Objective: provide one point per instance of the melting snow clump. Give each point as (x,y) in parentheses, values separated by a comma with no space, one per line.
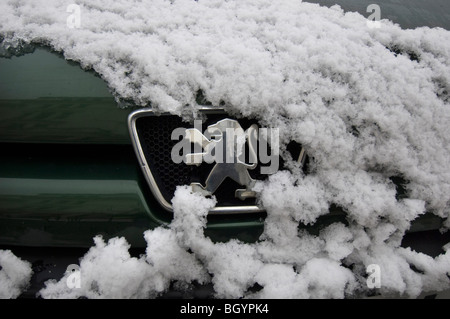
(15,275)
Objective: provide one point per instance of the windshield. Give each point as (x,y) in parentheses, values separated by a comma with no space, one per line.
(408,14)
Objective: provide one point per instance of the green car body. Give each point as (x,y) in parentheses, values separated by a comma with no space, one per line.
(68,169)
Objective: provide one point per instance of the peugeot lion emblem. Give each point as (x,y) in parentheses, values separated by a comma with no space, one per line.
(229,136)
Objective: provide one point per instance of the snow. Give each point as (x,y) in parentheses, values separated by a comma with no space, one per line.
(286,263)
(366,103)
(15,275)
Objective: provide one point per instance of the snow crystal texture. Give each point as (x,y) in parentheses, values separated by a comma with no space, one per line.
(15,275)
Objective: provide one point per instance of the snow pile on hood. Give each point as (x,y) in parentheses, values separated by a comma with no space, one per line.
(307,267)
(108,270)
(15,275)
(367,104)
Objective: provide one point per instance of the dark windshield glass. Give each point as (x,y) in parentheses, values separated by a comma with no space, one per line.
(409,14)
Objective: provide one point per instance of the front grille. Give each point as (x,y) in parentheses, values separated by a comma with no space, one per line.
(152,136)
(152,139)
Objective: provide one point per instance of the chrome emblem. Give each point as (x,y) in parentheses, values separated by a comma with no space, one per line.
(228,136)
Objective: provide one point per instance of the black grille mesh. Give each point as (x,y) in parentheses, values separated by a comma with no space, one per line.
(155,138)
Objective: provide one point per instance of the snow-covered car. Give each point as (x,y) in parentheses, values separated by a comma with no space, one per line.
(113,119)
